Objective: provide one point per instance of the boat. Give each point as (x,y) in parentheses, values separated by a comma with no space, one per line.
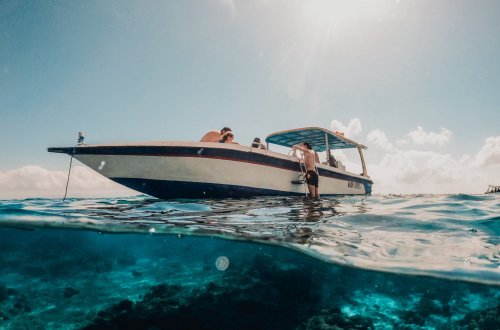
(193,170)
(493,189)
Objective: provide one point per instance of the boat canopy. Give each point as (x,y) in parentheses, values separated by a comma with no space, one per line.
(319,138)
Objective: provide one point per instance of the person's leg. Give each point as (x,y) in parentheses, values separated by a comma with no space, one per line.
(315,184)
(311,190)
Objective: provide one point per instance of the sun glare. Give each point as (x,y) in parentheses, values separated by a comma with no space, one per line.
(338,12)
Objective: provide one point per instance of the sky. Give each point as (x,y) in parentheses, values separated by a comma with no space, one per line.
(417,81)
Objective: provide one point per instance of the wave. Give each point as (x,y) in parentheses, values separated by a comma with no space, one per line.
(452,236)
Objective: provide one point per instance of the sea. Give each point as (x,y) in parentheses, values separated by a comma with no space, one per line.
(348,262)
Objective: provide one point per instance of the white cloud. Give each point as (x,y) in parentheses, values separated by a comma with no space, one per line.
(489,153)
(420,137)
(352,129)
(412,171)
(422,167)
(380,140)
(402,142)
(403,170)
(36,181)
(423,171)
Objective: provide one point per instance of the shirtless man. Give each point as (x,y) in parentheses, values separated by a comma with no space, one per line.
(311,175)
(215,136)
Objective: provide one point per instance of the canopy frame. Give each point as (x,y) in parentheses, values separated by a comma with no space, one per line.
(320,140)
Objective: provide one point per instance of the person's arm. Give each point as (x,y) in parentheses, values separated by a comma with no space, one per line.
(296,147)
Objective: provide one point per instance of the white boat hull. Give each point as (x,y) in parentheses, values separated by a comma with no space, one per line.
(205,170)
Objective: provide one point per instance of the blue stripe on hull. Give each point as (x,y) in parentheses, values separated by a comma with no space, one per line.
(192,190)
(180,189)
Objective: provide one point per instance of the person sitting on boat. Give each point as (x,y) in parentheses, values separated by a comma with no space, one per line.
(332,161)
(228,138)
(215,136)
(257,144)
(312,178)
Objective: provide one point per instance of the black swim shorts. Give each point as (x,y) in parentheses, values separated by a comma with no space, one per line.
(312,178)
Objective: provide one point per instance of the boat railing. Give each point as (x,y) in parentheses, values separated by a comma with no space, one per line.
(492,189)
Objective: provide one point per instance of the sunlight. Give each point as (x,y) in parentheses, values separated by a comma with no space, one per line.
(339,12)
(322,24)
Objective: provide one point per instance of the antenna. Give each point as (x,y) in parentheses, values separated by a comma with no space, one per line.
(80,137)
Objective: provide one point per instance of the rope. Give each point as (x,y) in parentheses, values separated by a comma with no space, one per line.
(69,172)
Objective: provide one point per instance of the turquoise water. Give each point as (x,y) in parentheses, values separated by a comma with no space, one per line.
(379,262)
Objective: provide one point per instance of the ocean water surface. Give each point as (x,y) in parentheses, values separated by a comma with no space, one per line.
(371,262)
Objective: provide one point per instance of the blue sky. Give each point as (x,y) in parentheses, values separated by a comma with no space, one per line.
(171,70)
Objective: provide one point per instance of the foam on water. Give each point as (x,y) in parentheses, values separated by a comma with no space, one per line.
(449,236)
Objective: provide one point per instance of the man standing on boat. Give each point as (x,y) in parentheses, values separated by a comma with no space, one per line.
(312,178)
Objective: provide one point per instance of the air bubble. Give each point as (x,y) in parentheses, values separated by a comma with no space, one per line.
(222,263)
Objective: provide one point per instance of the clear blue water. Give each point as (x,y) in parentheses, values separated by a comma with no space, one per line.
(407,262)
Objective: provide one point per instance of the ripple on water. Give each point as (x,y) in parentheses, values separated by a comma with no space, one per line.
(466,197)
(414,234)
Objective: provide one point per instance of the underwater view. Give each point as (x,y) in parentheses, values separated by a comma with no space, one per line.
(370,262)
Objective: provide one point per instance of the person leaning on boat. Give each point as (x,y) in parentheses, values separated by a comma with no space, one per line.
(312,178)
(258,144)
(228,137)
(215,136)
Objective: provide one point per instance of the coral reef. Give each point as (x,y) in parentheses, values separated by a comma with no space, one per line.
(3,292)
(334,319)
(263,296)
(93,281)
(488,319)
(70,292)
